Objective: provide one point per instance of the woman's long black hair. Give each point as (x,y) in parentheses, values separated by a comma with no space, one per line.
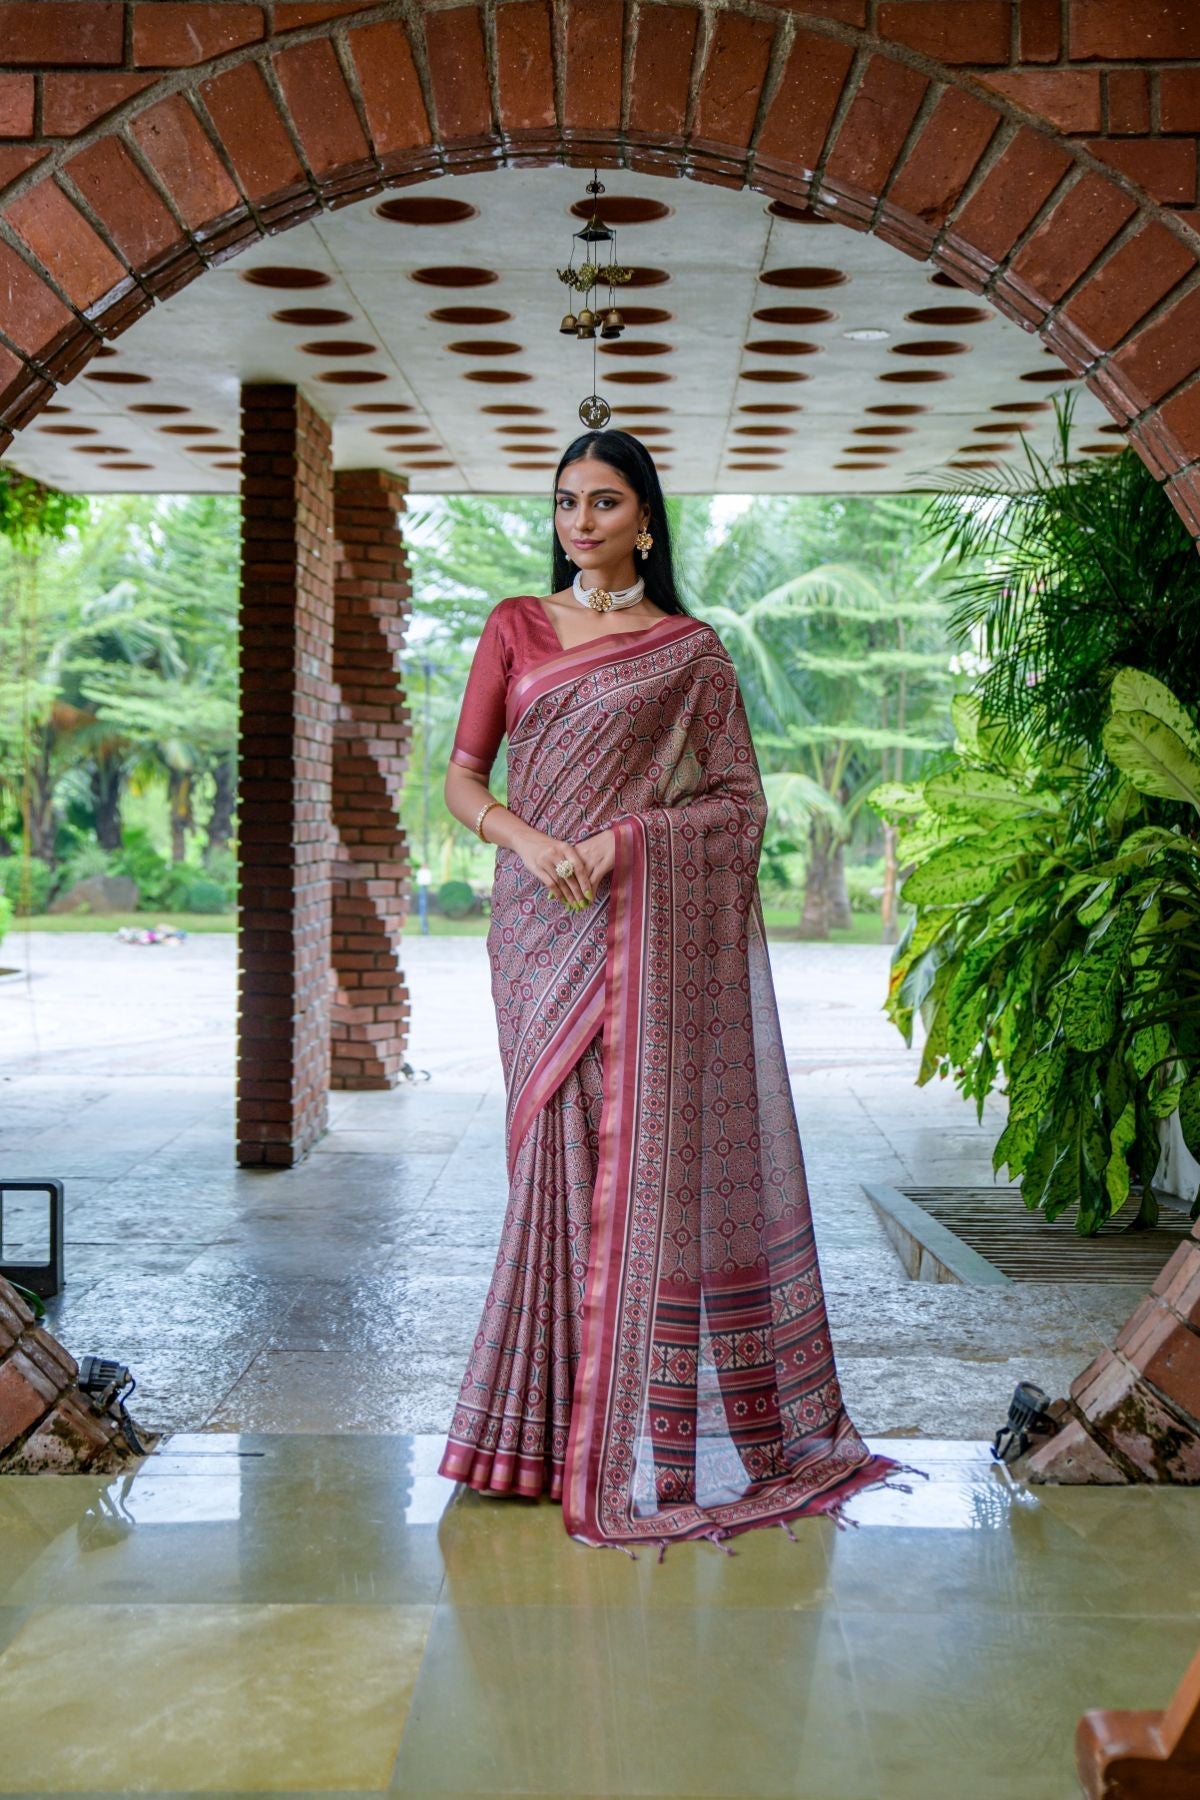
(630,457)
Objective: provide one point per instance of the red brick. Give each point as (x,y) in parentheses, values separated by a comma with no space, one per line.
(322,109)
(16,105)
(24,1396)
(176,34)
(71,102)
(1163,354)
(34,317)
(952,31)
(175,143)
(524,65)
(46,33)
(1167,1353)
(1132,30)
(1010,195)
(1164,167)
(65,244)
(930,182)
(874,129)
(797,124)
(1178,1283)
(1073,1458)
(662,66)
(248,124)
(595,34)
(1134,279)
(1179,100)
(16,158)
(1128,101)
(458,74)
(1039,30)
(1069,240)
(134,215)
(846,12)
(1068,98)
(391,91)
(738,55)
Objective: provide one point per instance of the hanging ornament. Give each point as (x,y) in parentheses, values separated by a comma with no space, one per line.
(593,321)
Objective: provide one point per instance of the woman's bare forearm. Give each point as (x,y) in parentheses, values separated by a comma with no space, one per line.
(466,792)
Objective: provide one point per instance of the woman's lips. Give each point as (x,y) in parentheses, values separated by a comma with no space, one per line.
(586,543)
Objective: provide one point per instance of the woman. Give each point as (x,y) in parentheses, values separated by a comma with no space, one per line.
(653,1350)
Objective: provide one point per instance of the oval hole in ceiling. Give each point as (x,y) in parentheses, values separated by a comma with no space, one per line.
(469,315)
(279,275)
(496,376)
(351,377)
(782,347)
(484,347)
(453,275)
(809,275)
(949,315)
(795,315)
(796,215)
(622,209)
(337,347)
(425,209)
(312,315)
(647,347)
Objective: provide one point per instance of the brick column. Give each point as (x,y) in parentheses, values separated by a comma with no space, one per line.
(286,742)
(371,886)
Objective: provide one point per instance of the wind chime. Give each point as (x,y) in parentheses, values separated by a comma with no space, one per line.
(590,275)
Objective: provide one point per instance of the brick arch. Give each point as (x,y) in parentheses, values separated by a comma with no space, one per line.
(232,122)
(214,125)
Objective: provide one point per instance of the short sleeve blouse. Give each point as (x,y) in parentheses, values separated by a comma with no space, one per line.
(516,634)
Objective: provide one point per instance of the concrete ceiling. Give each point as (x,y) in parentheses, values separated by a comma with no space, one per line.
(741,371)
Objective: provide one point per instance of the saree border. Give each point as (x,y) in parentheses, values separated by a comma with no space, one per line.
(553,670)
(612,1372)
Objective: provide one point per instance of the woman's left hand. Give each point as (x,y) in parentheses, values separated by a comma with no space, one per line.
(597,852)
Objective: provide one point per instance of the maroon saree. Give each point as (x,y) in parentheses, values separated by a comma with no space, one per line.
(654,1349)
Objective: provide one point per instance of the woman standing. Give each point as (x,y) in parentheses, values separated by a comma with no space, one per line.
(654,1350)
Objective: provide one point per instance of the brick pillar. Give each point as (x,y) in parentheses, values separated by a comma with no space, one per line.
(371,869)
(286,744)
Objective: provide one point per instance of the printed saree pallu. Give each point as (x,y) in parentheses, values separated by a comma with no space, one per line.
(654,1348)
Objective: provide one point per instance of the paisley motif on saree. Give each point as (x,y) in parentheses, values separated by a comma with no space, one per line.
(700,1395)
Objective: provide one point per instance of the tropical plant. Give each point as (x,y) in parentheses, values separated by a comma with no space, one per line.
(1055,944)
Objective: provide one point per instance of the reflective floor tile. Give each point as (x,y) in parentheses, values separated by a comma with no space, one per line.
(207,1698)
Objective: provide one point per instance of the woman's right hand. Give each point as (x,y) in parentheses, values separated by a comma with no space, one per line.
(540,853)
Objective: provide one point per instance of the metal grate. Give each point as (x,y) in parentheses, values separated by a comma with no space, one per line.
(1026,1246)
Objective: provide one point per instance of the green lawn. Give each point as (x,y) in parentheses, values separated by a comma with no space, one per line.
(780,921)
(111,922)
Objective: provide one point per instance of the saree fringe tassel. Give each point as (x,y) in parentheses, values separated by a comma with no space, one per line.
(654,1347)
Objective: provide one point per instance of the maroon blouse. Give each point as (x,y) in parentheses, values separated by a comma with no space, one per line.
(517,634)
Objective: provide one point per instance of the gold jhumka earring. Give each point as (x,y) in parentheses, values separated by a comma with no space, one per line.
(643,542)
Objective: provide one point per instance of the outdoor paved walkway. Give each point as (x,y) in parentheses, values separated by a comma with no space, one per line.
(342,1296)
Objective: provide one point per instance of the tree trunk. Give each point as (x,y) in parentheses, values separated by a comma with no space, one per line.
(41,814)
(840,913)
(220,823)
(179,792)
(107,780)
(888,907)
(816,917)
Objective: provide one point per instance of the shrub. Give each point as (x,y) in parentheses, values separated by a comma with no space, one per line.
(456,899)
(26,885)
(204,896)
(6,913)
(138,859)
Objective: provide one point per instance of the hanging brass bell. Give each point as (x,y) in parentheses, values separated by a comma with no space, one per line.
(569,323)
(613,324)
(586,327)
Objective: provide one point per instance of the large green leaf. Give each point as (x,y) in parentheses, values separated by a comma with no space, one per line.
(1092,1002)
(980,794)
(964,872)
(1116,1174)
(1034,1084)
(1151,739)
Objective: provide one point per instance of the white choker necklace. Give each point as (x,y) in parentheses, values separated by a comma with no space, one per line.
(601,599)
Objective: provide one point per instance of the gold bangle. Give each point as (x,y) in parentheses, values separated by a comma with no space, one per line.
(480,816)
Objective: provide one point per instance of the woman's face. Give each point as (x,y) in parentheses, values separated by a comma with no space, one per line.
(597,514)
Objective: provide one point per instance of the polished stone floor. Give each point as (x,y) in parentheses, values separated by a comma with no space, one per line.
(288,1613)
(342,1296)
(286,1598)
